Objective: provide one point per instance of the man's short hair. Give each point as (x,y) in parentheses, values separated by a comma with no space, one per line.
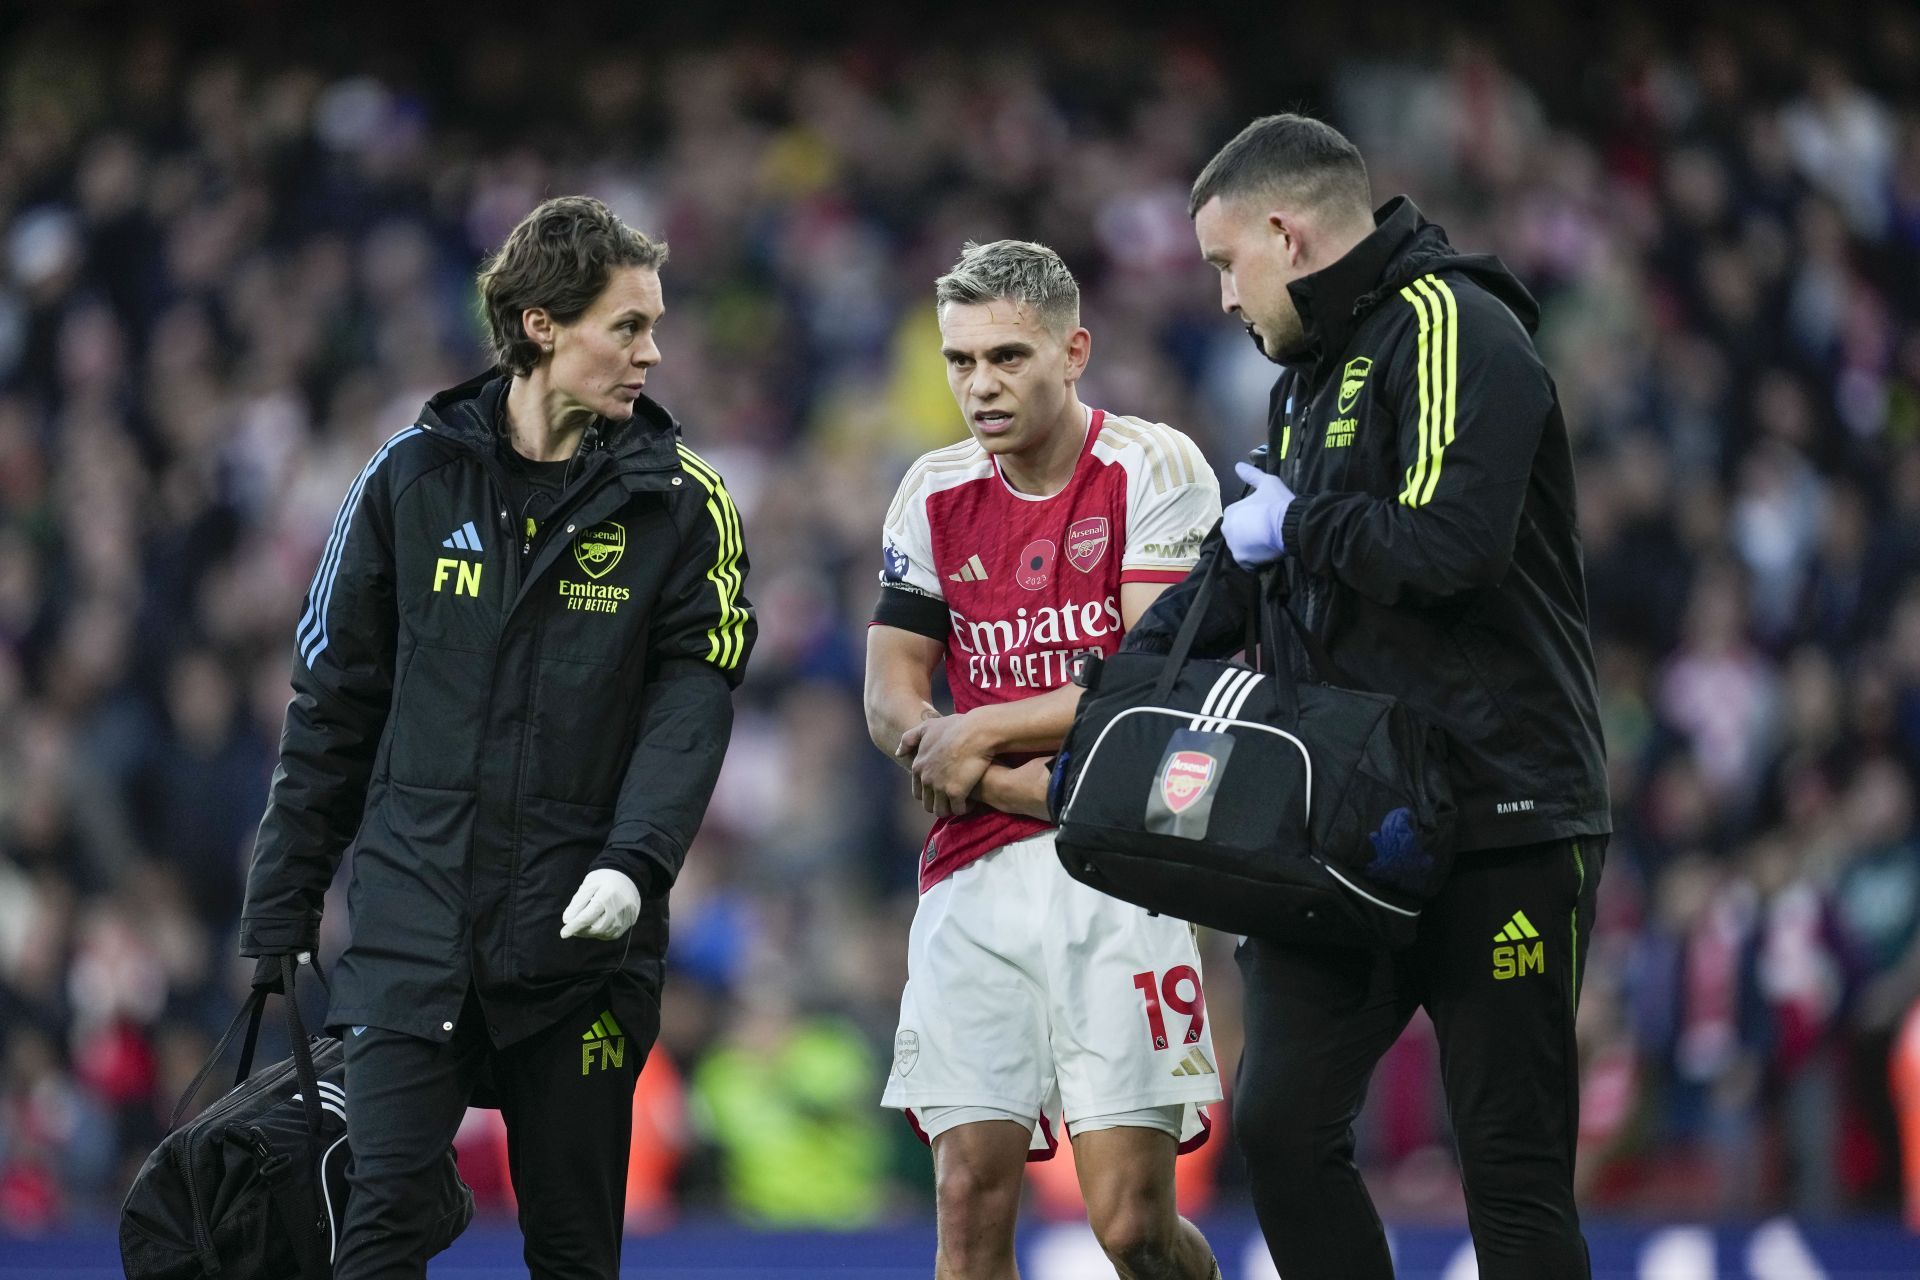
(1013,271)
(1294,156)
(560,257)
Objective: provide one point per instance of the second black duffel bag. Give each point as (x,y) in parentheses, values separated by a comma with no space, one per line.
(255,1186)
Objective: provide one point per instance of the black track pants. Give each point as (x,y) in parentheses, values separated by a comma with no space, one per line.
(566,1095)
(1497,965)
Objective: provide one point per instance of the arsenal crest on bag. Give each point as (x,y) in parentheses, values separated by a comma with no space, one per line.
(1250,802)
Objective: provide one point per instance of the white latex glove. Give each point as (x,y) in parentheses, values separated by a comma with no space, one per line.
(604,907)
(1251,526)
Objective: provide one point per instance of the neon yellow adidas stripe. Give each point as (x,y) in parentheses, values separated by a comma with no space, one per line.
(1448,363)
(1438,376)
(1417,473)
(727,638)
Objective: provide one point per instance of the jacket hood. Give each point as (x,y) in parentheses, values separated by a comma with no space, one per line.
(1427,250)
(1403,247)
(470,414)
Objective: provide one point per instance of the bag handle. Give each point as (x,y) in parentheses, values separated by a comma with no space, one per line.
(1264,629)
(315,1260)
(249,1016)
(1276,592)
(302,1053)
(1189,627)
(1265,623)
(1317,652)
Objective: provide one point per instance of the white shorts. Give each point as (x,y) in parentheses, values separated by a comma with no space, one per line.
(1030,994)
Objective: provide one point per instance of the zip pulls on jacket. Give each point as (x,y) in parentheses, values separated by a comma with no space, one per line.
(546,499)
(587,502)
(589,482)
(467,416)
(497,480)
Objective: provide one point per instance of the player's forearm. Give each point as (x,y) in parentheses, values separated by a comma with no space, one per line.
(891,711)
(1039,723)
(1016,791)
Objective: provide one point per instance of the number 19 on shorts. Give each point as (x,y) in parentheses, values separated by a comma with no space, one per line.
(1170,989)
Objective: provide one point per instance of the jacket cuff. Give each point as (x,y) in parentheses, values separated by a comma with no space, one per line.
(1290,528)
(650,876)
(261,936)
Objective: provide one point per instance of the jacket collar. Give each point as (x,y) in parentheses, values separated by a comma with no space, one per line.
(471,414)
(1333,300)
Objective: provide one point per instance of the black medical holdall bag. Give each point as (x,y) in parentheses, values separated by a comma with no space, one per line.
(255,1186)
(1251,802)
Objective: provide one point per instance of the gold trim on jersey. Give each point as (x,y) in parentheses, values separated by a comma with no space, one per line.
(1172,458)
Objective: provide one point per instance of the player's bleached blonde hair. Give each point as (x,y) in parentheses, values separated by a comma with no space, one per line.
(1013,271)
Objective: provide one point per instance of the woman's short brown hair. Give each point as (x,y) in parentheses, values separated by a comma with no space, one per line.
(559,257)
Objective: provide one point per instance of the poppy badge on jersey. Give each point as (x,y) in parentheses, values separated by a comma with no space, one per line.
(1036,564)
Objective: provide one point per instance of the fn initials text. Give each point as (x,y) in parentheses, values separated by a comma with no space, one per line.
(465,573)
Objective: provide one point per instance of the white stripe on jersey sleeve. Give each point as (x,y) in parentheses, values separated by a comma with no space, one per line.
(1172,495)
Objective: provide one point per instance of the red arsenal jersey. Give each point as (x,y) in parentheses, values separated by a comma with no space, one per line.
(1029,583)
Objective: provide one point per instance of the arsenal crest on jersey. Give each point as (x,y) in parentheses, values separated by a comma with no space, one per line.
(1087,542)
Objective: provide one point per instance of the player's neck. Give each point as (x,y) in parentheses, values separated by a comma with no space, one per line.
(1047,468)
(543,424)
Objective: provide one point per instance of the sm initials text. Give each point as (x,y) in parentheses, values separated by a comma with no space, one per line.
(1518,962)
(466,581)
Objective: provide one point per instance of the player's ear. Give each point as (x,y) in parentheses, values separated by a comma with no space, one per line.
(1079,350)
(538,325)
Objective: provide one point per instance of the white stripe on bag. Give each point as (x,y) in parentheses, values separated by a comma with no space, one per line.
(1242,680)
(1240,699)
(333,1223)
(1206,703)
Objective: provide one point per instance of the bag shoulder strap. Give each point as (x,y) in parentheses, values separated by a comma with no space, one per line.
(1189,628)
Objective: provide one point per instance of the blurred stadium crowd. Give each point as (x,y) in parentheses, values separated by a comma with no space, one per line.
(237,254)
